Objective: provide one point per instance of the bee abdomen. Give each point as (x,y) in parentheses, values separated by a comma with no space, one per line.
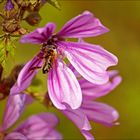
(47,66)
(49,57)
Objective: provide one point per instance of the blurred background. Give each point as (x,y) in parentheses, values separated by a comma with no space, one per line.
(123,20)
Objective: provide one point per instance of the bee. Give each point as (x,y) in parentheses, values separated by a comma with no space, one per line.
(50,54)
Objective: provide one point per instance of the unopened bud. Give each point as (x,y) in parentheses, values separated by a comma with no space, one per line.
(33,18)
(9,5)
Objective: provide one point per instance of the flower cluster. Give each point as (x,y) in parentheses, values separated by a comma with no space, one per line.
(40,126)
(77,75)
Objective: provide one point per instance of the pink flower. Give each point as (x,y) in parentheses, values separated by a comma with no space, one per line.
(91,61)
(40,126)
(91,110)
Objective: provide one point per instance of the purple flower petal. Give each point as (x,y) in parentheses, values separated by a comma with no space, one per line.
(79,119)
(29,100)
(91,61)
(15,136)
(54,135)
(14,108)
(87,135)
(74,70)
(40,35)
(63,87)
(100,112)
(92,91)
(27,74)
(39,126)
(84,25)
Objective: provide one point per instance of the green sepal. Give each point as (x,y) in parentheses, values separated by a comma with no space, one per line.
(11,48)
(3,53)
(6,48)
(32,1)
(55,3)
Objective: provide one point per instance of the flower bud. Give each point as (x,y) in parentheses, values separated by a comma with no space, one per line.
(33,18)
(9,5)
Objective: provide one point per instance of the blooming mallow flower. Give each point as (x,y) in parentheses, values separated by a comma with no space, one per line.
(92,110)
(40,126)
(91,61)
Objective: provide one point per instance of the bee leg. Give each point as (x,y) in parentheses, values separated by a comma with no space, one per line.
(34,68)
(44,71)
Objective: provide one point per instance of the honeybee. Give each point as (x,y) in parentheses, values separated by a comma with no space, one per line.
(50,54)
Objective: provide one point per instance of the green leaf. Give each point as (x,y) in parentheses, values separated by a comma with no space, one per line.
(54,3)
(3,53)
(11,48)
(6,48)
(32,1)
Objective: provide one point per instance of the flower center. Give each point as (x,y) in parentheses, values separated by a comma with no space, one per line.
(54,39)
(50,53)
